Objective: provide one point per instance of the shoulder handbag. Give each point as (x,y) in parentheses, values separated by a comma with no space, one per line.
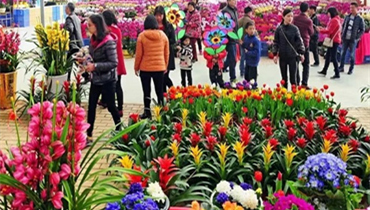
(298,57)
(328,42)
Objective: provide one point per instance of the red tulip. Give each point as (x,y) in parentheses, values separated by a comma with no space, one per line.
(289,102)
(326,87)
(354,144)
(315,90)
(125,137)
(332,94)
(191,100)
(280,176)
(165,108)
(12,116)
(357,179)
(165,95)
(147,143)
(280,193)
(153,128)
(301,142)
(134,118)
(245,109)
(258,176)
(282,82)
(330,110)
(353,125)
(152,138)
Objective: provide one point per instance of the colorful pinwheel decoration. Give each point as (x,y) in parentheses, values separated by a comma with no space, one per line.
(215,40)
(175,17)
(225,21)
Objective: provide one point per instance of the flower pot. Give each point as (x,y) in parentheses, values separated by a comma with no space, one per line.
(2,10)
(126,54)
(8,87)
(52,83)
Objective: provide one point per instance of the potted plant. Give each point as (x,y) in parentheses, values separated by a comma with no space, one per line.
(3,4)
(51,53)
(9,60)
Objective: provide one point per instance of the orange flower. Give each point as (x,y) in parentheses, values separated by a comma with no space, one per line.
(196,206)
(231,206)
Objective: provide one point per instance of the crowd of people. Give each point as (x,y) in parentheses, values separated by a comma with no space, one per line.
(157,48)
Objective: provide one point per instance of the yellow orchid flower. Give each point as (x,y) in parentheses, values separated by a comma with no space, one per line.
(367,162)
(223,152)
(268,152)
(197,154)
(174,148)
(239,149)
(226,118)
(157,113)
(202,117)
(127,162)
(259,191)
(327,146)
(289,155)
(184,113)
(346,150)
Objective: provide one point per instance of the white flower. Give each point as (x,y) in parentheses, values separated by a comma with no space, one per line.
(155,191)
(223,187)
(249,199)
(237,193)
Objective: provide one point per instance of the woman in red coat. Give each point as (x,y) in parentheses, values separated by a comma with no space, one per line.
(111,21)
(334,31)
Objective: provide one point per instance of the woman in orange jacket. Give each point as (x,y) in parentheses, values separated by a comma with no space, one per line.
(151,61)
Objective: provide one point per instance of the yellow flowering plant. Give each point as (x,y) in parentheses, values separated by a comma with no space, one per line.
(52,47)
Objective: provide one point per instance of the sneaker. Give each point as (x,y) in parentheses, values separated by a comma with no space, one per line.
(341,69)
(306,87)
(214,85)
(146,116)
(225,70)
(335,77)
(350,72)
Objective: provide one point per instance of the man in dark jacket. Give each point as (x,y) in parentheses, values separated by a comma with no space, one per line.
(231,45)
(352,30)
(73,26)
(315,37)
(241,24)
(305,26)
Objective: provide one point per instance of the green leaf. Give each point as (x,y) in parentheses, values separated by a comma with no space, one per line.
(240,33)
(220,49)
(233,35)
(182,14)
(175,6)
(181,34)
(181,24)
(210,51)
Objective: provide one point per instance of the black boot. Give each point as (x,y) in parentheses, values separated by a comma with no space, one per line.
(146,115)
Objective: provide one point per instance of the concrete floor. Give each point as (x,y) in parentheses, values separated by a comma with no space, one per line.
(347,89)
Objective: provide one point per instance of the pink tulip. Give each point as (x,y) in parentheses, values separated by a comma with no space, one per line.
(55,179)
(58,149)
(43,194)
(57,200)
(65,171)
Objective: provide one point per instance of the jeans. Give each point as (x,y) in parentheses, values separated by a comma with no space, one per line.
(351,46)
(193,43)
(306,69)
(242,61)
(331,56)
(250,73)
(315,51)
(167,82)
(292,64)
(215,74)
(146,78)
(186,74)
(231,60)
(108,92)
(119,93)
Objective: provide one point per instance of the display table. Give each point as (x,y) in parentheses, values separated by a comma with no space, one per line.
(32,16)
(363,50)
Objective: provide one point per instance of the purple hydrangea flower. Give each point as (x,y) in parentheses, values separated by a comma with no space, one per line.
(245,186)
(113,206)
(222,198)
(135,188)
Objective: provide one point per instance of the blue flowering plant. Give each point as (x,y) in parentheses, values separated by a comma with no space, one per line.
(325,176)
(242,194)
(134,200)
